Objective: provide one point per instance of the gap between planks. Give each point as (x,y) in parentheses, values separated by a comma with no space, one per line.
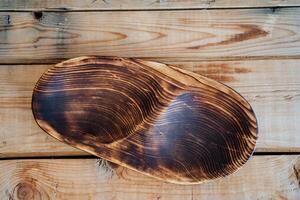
(88,156)
(272,8)
(118,5)
(166,60)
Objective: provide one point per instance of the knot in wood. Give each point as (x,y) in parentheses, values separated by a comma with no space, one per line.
(24,191)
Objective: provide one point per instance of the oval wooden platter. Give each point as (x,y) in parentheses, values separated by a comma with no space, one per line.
(154,118)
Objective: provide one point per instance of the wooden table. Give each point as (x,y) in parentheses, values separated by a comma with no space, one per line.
(252,47)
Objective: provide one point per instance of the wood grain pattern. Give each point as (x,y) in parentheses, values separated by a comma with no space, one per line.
(19,134)
(271,86)
(159,120)
(162,35)
(138,4)
(263,177)
(265,71)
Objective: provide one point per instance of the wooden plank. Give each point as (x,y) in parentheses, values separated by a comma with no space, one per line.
(138,4)
(263,177)
(34,37)
(271,86)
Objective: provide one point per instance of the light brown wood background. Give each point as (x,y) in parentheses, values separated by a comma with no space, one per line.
(253,46)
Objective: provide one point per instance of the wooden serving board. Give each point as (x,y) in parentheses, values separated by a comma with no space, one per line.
(154,118)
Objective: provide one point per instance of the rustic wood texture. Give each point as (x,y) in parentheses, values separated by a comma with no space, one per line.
(257,51)
(32,37)
(263,177)
(138,4)
(157,119)
(271,86)
(18,132)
